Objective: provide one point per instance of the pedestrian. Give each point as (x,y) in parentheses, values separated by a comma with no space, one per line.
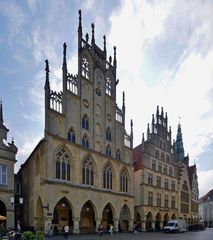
(2,230)
(66,231)
(50,230)
(111,229)
(100,229)
(18,226)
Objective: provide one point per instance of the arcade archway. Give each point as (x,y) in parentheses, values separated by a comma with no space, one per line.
(87,221)
(166,219)
(157,222)
(124,218)
(149,219)
(107,216)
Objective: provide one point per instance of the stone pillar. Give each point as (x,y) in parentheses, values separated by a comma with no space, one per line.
(161,225)
(143,226)
(116,221)
(153,225)
(131,221)
(98,221)
(76,225)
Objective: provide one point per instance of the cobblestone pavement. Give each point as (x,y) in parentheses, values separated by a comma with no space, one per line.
(201,235)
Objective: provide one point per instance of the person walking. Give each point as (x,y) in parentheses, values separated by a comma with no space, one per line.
(66,231)
(111,229)
(100,229)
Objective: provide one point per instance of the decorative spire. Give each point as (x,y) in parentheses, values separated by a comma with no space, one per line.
(148,131)
(157,114)
(123,99)
(47,82)
(93,33)
(131,134)
(162,112)
(1,112)
(142,137)
(65,55)
(153,122)
(79,24)
(104,37)
(179,144)
(87,37)
(123,109)
(110,59)
(115,61)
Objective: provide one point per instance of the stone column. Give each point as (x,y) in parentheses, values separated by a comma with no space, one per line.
(116,220)
(131,221)
(98,221)
(153,225)
(76,225)
(143,226)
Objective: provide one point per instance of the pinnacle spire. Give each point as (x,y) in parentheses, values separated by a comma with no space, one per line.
(104,37)
(47,82)
(93,33)
(1,112)
(115,61)
(80,24)
(64,56)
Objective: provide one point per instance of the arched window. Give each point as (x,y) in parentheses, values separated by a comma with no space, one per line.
(85,68)
(85,141)
(88,172)
(108,151)
(85,122)
(107,177)
(58,169)
(63,170)
(123,181)
(108,134)
(108,86)
(118,155)
(71,135)
(62,165)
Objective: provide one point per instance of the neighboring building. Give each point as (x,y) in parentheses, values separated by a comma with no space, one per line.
(7,160)
(156,176)
(193,179)
(206,209)
(81,172)
(184,188)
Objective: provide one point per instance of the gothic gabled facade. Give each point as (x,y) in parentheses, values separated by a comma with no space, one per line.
(81,173)
(7,160)
(156,176)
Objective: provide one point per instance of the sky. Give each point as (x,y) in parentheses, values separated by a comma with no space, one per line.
(164,58)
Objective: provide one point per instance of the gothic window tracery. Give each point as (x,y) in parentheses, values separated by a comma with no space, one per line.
(71,135)
(85,122)
(124,181)
(85,68)
(118,154)
(108,151)
(108,134)
(107,177)
(85,141)
(62,165)
(88,172)
(108,86)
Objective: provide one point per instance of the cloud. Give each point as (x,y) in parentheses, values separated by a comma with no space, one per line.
(204,184)
(15,17)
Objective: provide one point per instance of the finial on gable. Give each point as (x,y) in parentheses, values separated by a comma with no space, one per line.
(79,23)
(115,61)
(47,83)
(104,37)
(1,112)
(93,33)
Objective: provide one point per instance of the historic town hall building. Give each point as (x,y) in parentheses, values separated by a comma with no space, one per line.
(81,172)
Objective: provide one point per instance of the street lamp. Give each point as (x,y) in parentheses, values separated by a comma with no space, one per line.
(13,202)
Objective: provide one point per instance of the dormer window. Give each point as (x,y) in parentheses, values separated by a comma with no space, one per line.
(108,86)
(108,134)
(85,141)
(71,135)
(108,151)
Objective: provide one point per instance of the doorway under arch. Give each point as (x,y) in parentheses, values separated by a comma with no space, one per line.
(107,216)
(62,215)
(166,219)
(87,221)
(149,219)
(124,218)
(157,222)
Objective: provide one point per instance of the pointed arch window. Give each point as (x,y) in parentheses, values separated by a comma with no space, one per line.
(124,181)
(71,135)
(85,68)
(108,134)
(108,86)
(62,165)
(63,170)
(107,177)
(85,141)
(88,172)
(58,170)
(108,151)
(85,122)
(118,155)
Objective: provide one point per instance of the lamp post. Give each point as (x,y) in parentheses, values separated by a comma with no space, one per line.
(17,202)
